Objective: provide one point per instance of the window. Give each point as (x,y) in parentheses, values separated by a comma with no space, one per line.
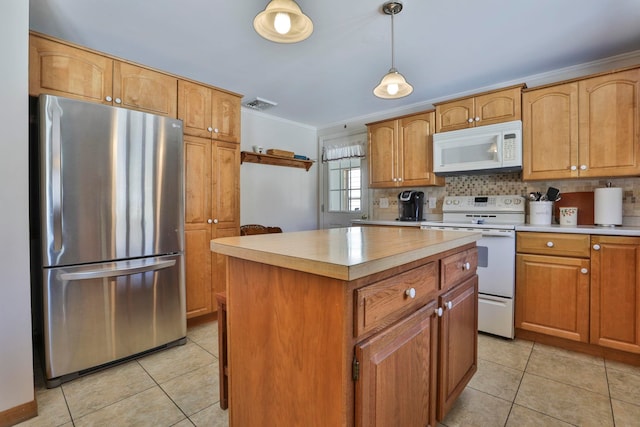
(345,185)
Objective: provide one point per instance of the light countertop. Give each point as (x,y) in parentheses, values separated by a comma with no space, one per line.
(582,229)
(343,253)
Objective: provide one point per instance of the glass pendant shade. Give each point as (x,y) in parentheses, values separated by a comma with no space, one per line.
(393,85)
(282,21)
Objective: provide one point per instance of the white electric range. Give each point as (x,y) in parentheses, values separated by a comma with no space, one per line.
(496,218)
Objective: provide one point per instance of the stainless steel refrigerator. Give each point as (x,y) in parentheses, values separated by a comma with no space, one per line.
(111,218)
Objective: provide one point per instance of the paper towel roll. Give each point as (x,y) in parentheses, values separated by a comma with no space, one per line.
(607,206)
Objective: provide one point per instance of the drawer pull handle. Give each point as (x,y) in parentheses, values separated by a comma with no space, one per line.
(549,244)
(466,266)
(584,271)
(449,305)
(439,311)
(411,292)
(596,247)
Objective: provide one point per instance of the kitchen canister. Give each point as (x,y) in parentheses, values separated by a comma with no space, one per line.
(607,206)
(568,215)
(540,212)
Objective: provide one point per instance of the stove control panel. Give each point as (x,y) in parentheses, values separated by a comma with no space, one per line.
(483,204)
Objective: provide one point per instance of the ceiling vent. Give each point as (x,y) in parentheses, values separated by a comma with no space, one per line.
(260,104)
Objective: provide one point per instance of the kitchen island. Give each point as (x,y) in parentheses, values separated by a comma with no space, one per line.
(349,326)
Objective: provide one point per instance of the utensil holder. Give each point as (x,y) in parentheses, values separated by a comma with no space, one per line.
(540,213)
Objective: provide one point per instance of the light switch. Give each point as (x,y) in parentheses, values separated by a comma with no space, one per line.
(432,202)
(384,202)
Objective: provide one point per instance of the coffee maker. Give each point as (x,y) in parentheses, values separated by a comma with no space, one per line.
(411,205)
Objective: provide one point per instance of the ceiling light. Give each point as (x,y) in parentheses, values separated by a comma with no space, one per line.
(282,21)
(393,85)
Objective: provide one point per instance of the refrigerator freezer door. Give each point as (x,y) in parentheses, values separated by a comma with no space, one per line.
(111,183)
(99,313)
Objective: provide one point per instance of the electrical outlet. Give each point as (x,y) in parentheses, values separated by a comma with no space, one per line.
(384,202)
(432,202)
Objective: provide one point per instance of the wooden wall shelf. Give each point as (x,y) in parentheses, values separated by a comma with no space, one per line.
(268,159)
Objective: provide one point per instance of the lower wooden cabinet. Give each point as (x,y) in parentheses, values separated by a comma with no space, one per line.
(552,296)
(615,292)
(397,380)
(593,299)
(212,179)
(458,344)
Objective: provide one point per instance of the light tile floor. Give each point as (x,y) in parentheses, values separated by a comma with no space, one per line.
(518,383)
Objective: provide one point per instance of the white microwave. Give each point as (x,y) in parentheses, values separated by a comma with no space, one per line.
(491,148)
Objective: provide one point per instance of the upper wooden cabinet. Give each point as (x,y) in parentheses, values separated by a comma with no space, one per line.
(401,152)
(64,70)
(583,129)
(498,106)
(208,112)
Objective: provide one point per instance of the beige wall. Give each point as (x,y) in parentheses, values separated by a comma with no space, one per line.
(16,371)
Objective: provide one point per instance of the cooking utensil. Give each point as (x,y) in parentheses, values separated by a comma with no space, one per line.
(552,194)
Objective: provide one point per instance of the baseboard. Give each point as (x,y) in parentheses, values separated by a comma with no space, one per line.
(18,414)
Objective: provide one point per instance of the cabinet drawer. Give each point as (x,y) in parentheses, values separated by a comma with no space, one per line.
(564,244)
(458,267)
(386,301)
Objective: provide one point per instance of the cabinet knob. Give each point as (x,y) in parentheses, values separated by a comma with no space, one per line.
(596,247)
(399,179)
(215,221)
(583,167)
(108,99)
(550,244)
(584,271)
(439,311)
(216,130)
(210,129)
(466,266)
(118,101)
(449,305)
(477,119)
(411,293)
(470,120)
(209,221)
(574,168)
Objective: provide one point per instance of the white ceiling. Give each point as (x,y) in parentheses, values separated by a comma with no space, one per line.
(442,47)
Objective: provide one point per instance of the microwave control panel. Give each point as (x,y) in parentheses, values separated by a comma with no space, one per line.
(509,151)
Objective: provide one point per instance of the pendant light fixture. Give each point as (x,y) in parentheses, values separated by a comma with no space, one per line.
(393,85)
(282,21)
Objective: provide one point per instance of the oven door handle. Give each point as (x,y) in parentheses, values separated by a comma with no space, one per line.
(497,233)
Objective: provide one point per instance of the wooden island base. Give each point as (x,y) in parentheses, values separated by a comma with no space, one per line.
(390,345)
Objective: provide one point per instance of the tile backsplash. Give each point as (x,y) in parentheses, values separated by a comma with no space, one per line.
(504,183)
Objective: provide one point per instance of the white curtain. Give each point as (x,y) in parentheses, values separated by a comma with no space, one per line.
(344,149)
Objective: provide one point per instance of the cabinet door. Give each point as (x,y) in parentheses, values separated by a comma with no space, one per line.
(455,115)
(458,342)
(550,132)
(552,296)
(615,292)
(225,109)
(62,70)
(396,386)
(415,150)
(610,125)
(382,154)
(225,194)
(198,255)
(498,107)
(144,90)
(194,108)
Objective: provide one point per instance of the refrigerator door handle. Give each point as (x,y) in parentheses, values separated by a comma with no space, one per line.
(124,271)
(56,173)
